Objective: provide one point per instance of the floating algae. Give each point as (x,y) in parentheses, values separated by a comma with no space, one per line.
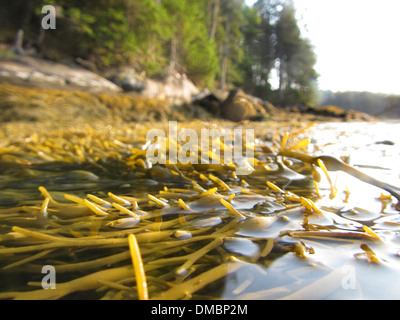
(115,226)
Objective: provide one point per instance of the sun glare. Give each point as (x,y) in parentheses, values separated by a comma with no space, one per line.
(355,43)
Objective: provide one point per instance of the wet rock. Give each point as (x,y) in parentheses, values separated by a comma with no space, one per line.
(175,88)
(86,64)
(127,78)
(340,113)
(329,111)
(129,84)
(386,142)
(210,103)
(263,107)
(353,115)
(38,72)
(237,107)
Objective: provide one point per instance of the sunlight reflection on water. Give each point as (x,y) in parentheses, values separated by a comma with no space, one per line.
(338,268)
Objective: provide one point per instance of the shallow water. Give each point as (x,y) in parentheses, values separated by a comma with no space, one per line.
(272,247)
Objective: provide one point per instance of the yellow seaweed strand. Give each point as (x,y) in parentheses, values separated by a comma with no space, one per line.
(301,144)
(183,205)
(309,205)
(296,133)
(347,193)
(190,286)
(135,205)
(125,210)
(218,181)
(119,199)
(208,192)
(333,190)
(37,235)
(73,198)
(192,258)
(231,209)
(182,219)
(274,187)
(138,267)
(99,201)
(203,177)
(370,232)
(28,259)
(94,208)
(317,189)
(46,194)
(156,200)
(284,140)
(85,283)
(43,209)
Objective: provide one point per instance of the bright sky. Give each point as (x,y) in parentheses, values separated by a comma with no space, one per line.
(357,43)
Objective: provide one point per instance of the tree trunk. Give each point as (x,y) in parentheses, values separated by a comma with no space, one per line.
(282,85)
(19,37)
(214,19)
(40,39)
(225,53)
(173,55)
(209,14)
(27,15)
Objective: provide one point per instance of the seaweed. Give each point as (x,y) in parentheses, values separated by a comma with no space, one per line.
(131,229)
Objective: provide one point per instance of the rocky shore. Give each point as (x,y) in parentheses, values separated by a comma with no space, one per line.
(37,90)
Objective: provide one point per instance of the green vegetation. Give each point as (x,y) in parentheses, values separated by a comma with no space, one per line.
(217,43)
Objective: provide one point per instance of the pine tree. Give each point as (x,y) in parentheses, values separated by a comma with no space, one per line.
(191,49)
(295,60)
(229,40)
(258,52)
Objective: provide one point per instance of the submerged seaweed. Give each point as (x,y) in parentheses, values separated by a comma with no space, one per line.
(116,226)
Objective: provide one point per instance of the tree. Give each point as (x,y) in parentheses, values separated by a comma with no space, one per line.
(287,44)
(258,52)
(273,43)
(295,60)
(22,19)
(191,49)
(229,40)
(214,20)
(151,27)
(215,42)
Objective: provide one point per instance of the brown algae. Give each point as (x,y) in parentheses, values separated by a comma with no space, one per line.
(114,226)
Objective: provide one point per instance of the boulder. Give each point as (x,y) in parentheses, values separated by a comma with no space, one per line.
(175,88)
(340,113)
(237,107)
(329,111)
(263,107)
(127,78)
(209,102)
(234,105)
(130,84)
(353,115)
(41,73)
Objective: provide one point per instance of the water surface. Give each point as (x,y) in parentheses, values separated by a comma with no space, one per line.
(271,245)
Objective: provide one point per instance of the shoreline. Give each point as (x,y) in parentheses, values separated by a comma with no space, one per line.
(36,90)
